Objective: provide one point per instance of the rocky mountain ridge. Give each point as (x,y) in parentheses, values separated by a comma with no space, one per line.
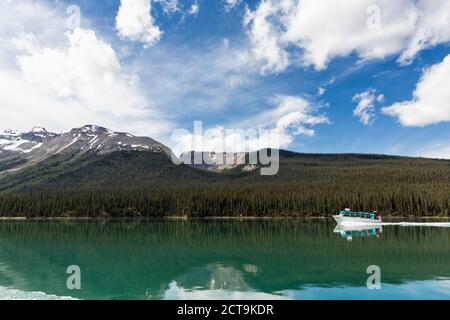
(20,149)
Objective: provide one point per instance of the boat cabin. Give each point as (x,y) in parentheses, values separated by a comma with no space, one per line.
(366,215)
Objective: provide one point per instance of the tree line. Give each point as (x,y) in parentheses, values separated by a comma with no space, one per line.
(305,186)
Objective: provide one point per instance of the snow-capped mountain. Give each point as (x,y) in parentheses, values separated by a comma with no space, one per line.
(101,140)
(14,143)
(39,144)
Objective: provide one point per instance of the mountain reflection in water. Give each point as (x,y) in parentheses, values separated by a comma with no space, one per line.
(222,259)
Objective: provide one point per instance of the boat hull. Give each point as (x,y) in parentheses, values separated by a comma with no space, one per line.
(355,221)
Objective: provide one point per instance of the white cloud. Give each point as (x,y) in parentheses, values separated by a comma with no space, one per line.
(221,139)
(439,151)
(321,91)
(365,110)
(28,15)
(292,116)
(431,99)
(67,72)
(135,22)
(432,27)
(195,7)
(265,37)
(66,79)
(231,4)
(169,6)
(205,78)
(320,31)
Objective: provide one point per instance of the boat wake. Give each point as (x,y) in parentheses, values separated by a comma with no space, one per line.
(418,224)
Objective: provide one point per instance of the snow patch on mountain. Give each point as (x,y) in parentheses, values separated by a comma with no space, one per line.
(40,144)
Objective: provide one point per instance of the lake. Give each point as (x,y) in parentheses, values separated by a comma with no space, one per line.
(221,259)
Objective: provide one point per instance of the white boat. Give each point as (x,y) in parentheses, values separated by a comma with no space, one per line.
(348,217)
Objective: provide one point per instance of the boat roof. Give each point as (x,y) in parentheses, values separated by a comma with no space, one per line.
(358,212)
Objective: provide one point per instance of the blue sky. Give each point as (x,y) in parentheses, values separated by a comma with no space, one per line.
(236,64)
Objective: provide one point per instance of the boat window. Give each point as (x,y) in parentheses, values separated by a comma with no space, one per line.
(352,214)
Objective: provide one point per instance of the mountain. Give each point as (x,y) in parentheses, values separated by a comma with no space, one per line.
(22,149)
(219,161)
(96,156)
(90,156)
(14,143)
(93,171)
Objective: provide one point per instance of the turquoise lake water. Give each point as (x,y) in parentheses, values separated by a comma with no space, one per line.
(262,259)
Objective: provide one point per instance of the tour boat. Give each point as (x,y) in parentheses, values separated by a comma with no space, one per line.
(348,217)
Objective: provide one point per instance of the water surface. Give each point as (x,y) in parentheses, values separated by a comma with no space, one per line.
(273,259)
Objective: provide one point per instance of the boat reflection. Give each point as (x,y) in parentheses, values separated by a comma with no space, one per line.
(350,232)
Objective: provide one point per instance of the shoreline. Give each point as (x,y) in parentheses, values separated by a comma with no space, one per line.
(389,218)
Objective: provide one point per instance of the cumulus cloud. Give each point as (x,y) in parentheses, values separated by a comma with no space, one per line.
(319,31)
(266,40)
(65,72)
(221,139)
(290,117)
(27,15)
(431,99)
(66,79)
(365,109)
(432,27)
(134,22)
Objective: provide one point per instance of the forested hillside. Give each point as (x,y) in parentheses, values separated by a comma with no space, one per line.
(144,184)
